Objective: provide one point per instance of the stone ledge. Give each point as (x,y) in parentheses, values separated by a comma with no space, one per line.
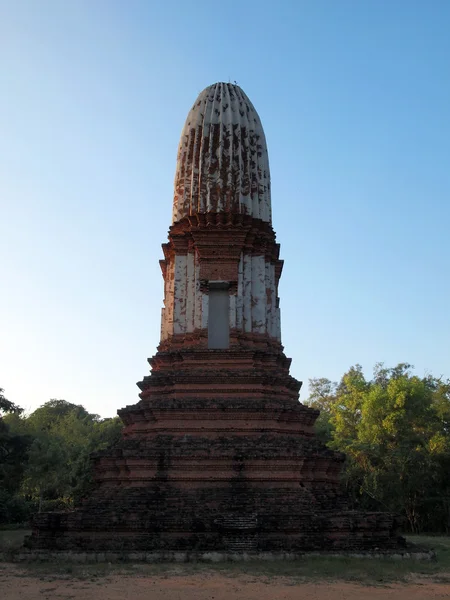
(418,554)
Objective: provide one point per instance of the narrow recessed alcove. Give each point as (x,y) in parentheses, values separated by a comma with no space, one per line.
(218,315)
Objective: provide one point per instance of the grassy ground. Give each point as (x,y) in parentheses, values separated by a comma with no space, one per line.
(12,539)
(375,571)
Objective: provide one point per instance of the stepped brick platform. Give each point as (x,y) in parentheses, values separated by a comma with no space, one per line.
(219,455)
(226,473)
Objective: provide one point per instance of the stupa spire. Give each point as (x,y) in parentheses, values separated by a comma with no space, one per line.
(222,163)
(221,266)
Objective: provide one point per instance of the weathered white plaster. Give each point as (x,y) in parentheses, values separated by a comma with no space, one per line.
(232,311)
(268,283)
(163,328)
(278,324)
(240,295)
(276,311)
(167,325)
(222,159)
(253,309)
(190,292)
(247,293)
(222,166)
(198,302)
(258,294)
(179,292)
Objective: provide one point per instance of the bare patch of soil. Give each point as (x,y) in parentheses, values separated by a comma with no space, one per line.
(17,583)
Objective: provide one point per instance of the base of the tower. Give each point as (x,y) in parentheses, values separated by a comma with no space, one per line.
(403,552)
(168,523)
(217,457)
(116,548)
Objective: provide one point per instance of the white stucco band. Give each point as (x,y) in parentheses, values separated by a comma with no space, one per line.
(252,307)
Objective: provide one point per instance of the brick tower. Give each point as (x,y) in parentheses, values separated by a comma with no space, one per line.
(218,454)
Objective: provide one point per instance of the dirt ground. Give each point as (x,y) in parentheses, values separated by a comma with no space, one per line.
(17,583)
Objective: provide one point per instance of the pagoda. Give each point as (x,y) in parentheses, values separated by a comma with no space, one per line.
(218,455)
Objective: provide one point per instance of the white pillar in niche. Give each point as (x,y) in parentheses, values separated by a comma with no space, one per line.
(268,286)
(258,303)
(179,313)
(163,328)
(169,300)
(198,302)
(270,298)
(247,293)
(232,311)
(190,292)
(240,294)
(278,332)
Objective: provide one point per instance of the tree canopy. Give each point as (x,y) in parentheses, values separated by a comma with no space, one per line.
(394,430)
(45,456)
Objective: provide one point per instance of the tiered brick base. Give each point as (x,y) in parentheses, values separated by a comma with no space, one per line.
(218,456)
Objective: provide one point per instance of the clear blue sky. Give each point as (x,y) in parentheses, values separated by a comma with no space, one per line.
(354,97)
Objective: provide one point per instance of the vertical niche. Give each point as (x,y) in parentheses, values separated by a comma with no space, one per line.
(218,315)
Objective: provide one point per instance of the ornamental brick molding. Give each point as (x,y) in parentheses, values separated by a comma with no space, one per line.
(218,455)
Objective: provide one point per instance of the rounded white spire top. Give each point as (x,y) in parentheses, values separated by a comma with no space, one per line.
(222,163)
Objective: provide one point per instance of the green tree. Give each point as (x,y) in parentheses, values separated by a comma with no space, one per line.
(322,394)
(394,430)
(13,456)
(45,456)
(46,475)
(65,434)
(6,406)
